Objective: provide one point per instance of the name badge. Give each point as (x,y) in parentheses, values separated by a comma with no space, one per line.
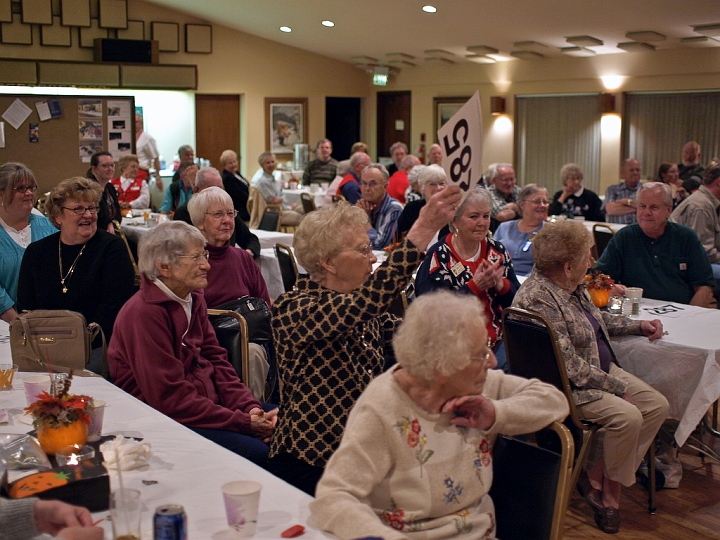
(683,266)
(457,268)
(527,245)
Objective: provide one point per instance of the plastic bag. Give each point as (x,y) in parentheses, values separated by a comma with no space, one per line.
(22,452)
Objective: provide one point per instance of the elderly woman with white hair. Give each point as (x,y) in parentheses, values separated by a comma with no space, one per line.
(165,353)
(430,180)
(574,199)
(333,333)
(233,272)
(416,457)
(469,261)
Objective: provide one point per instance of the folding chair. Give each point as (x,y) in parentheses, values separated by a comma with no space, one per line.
(288,266)
(271,219)
(121,234)
(401,302)
(602,234)
(531,487)
(308,203)
(533,351)
(232,334)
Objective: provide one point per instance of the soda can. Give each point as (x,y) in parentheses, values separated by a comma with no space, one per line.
(170,523)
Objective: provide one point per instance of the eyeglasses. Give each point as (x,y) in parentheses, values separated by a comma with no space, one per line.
(80,210)
(485,357)
(370,185)
(24,189)
(435,184)
(232,214)
(198,258)
(365,251)
(543,202)
(107,165)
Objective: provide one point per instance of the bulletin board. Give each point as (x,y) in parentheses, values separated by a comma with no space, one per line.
(60,133)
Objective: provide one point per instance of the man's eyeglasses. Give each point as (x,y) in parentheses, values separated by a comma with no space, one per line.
(370,185)
(232,214)
(24,189)
(80,210)
(198,258)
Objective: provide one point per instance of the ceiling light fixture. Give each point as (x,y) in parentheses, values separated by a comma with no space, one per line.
(531,46)
(584,41)
(580,52)
(710,30)
(439,53)
(329,24)
(699,41)
(645,36)
(480,59)
(429,9)
(526,55)
(285,29)
(482,50)
(400,56)
(634,46)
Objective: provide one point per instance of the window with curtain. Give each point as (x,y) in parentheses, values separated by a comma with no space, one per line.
(657,125)
(551,131)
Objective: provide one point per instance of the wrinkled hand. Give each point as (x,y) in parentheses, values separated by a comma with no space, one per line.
(617,290)
(512,206)
(471,411)
(53,516)
(652,329)
(262,424)
(82,533)
(440,209)
(489,275)
(365,205)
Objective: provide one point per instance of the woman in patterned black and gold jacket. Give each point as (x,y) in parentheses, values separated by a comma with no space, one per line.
(331,333)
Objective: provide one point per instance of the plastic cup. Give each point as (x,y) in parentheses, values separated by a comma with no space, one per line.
(34,386)
(97,412)
(125,511)
(242,500)
(633,292)
(7,374)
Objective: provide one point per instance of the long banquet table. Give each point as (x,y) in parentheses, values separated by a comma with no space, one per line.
(684,365)
(188,468)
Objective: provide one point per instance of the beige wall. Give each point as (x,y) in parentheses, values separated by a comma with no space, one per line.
(686,69)
(242,64)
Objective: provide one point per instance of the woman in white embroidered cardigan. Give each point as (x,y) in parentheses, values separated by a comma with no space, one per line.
(416,456)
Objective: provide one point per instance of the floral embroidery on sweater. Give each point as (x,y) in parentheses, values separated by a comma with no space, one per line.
(482,453)
(453,490)
(412,430)
(461,523)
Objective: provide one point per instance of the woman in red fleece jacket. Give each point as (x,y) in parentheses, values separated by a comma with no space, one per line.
(164,350)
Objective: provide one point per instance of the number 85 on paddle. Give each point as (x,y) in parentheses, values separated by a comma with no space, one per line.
(461,140)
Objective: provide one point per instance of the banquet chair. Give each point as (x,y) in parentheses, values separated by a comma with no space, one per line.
(308,203)
(256,207)
(121,234)
(401,302)
(602,234)
(533,351)
(271,219)
(288,266)
(337,198)
(231,330)
(531,487)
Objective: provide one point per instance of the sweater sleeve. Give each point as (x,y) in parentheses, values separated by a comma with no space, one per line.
(362,461)
(17,518)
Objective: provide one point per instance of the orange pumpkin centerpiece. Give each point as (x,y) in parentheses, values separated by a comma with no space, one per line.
(60,420)
(598,286)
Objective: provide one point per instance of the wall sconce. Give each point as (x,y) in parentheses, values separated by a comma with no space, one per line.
(497,105)
(607,103)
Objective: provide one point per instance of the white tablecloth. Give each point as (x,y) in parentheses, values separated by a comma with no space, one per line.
(292,196)
(684,365)
(268,239)
(189,469)
(614,226)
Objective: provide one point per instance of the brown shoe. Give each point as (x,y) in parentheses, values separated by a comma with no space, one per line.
(608,521)
(591,495)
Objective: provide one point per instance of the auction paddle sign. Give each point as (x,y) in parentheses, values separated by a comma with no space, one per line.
(461,140)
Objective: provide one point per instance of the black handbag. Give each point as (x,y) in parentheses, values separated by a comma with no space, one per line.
(257,315)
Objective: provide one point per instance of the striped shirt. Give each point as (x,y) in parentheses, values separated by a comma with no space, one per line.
(384,222)
(615,193)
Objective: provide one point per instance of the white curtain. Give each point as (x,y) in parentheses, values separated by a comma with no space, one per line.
(551,131)
(657,125)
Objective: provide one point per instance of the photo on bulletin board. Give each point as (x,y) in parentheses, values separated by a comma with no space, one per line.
(285,124)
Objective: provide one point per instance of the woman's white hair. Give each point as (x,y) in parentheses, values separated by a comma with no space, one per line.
(321,234)
(164,244)
(432,173)
(438,333)
(478,197)
(200,202)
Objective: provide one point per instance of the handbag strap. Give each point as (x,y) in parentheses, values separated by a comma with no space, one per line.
(93,330)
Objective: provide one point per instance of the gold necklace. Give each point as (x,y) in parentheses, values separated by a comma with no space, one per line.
(72,267)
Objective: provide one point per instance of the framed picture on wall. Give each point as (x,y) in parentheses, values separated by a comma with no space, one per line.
(285,124)
(445,108)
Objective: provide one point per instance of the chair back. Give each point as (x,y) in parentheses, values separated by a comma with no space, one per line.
(401,302)
(121,234)
(271,218)
(308,203)
(288,266)
(256,207)
(337,198)
(232,333)
(602,234)
(530,488)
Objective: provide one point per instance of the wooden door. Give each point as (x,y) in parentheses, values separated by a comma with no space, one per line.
(217,126)
(393,120)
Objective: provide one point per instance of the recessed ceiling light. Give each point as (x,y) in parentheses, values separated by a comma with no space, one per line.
(710,30)
(482,49)
(527,55)
(581,52)
(285,29)
(634,46)
(584,41)
(429,9)
(699,41)
(645,36)
(329,24)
